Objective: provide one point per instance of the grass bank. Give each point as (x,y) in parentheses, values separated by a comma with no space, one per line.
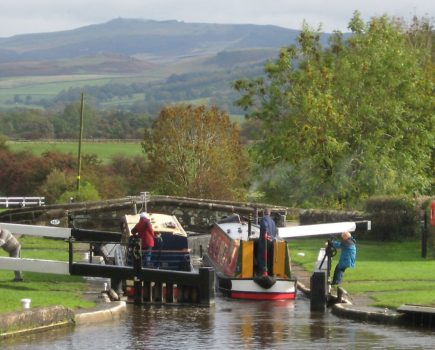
(43,289)
(391,273)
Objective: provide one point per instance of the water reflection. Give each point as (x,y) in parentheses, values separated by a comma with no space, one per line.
(256,323)
(229,324)
(317,329)
(162,327)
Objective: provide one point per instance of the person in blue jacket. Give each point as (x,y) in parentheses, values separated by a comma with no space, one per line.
(268,233)
(347,256)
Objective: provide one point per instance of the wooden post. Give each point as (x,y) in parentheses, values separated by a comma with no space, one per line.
(79,160)
(318,286)
(169,293)
(70,252)
(137,291)
(206,285)
(137,266)
(147,292)
(424,235)
(158,292)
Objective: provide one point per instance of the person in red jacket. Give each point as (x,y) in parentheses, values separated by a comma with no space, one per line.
(144,229)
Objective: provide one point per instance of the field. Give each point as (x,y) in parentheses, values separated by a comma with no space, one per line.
(45,86)
(42,87)
(104,150)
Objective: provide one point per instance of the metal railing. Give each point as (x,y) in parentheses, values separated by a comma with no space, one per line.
(21,201)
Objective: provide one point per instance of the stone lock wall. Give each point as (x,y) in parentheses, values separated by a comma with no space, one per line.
(196,215)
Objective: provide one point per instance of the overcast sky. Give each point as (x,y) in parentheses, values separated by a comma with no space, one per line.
(35,16)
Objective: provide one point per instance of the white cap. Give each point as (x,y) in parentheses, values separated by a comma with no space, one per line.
(143,215)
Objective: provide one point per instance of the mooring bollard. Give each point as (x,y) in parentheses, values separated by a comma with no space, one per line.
(26,303)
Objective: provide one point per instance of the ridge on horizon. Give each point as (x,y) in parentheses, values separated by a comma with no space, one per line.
(137,38)
(117,20)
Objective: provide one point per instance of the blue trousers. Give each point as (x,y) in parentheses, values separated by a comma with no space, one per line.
(261,264)
(338,274)
(147,256)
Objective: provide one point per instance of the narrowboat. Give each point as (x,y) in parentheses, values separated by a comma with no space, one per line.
(232,253)
(170,252)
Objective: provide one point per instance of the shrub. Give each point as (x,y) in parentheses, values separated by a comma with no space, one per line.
(393,218)
(87,193)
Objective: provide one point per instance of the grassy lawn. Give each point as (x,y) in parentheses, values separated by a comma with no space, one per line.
(43,289)
(392,274)
(104,150)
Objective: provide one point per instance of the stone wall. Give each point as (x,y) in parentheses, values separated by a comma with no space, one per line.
(196,215)
(15,323)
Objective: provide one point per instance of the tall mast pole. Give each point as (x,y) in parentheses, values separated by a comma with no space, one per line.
(79,161)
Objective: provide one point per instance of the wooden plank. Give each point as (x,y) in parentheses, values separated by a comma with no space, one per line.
(35,265)
(34,230)
(316,230)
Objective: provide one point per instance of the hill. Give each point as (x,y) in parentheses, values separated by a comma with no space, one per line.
(134,37)
(141,57)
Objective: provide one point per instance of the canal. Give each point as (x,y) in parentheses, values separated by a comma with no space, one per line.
(229,324)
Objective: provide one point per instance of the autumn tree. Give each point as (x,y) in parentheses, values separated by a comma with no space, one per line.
(344,122)
(129,174)
(196,152)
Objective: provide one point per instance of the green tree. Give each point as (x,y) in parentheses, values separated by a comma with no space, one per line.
(67,124)
(88,192)
(195,151)
(56,184)
(345,122)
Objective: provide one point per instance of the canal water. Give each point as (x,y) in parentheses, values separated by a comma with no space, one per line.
(229,324)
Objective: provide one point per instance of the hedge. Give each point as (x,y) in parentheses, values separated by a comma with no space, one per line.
(393,218)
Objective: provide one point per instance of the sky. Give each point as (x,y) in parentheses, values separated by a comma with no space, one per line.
(37,16)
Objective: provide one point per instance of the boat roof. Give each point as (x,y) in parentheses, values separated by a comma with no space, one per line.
(239,230)
(161,223)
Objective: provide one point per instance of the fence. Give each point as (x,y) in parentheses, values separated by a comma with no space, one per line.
(21,201)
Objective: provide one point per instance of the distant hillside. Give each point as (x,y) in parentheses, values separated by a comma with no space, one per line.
(97,64)
(152,41)
(135,64)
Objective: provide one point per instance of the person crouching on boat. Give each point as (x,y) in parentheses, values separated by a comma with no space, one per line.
(268,234)
(347,256)
(144,229)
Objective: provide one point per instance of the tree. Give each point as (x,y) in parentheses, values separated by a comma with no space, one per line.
(87,192)
(130,173)
(195,152)
(345,122)
(67,125)
(56,183)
